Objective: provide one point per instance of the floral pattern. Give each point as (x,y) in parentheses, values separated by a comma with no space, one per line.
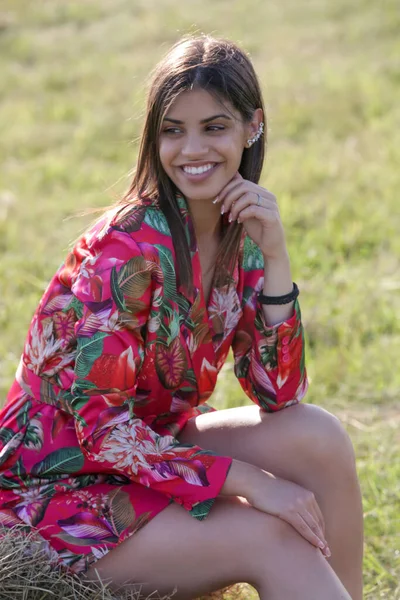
(117,359)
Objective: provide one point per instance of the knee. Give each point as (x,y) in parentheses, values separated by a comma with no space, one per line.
(322,440)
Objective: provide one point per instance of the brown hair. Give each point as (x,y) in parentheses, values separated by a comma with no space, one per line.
(224,70)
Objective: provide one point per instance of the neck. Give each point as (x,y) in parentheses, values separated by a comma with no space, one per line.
(206,219)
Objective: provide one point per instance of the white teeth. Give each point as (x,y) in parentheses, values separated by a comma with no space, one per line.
(197,170)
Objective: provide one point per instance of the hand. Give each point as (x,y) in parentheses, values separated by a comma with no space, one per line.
(291,503)
(262,223)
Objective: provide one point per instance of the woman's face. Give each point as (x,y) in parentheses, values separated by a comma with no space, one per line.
(201,144)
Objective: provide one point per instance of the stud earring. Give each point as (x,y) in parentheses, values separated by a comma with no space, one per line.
(257,136)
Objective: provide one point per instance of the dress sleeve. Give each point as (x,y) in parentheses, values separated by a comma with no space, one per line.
(269,360)
(115,288)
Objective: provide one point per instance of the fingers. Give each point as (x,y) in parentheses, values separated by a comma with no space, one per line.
(314,509)
(319,517)
(264,215)
(237,188)
(308,528)
(316,512)
(250,199)
(313,524)
(233,183)
(229,199)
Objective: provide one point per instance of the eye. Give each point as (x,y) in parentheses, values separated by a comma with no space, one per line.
(215,128)
(172,130)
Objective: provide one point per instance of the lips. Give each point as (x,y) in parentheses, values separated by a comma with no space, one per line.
(199,172)
(198,169)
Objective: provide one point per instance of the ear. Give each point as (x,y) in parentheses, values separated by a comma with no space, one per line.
(252,127)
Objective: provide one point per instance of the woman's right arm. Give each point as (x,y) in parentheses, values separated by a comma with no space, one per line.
(284,499)
(240,479)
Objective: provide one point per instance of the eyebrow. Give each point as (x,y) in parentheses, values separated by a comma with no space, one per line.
(207,120)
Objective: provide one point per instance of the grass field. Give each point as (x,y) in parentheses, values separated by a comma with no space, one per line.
(71,100)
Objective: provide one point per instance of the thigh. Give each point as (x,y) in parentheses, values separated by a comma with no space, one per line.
(197,557)
(282,442)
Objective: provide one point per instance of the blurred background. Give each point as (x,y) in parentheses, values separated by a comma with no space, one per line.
(73,79)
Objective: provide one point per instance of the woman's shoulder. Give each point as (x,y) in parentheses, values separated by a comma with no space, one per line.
(130,222)
(125,232)
(125,237)
(142,215)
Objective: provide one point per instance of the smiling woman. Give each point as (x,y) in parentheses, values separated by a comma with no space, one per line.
(110,450)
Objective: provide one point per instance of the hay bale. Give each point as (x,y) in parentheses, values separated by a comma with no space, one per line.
(26,574)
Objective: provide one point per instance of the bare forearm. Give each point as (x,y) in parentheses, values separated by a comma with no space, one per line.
(277,282)
(241,478)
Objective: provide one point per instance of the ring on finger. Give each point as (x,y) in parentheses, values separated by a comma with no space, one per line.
(258,200)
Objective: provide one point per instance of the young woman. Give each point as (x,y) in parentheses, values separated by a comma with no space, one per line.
(109,448)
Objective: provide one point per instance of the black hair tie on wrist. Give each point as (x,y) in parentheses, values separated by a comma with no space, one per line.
(280,299)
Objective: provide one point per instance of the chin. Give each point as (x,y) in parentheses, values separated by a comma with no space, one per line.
(198,191)
(203,191)
(200,195)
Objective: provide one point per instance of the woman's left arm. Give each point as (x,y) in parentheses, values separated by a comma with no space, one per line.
(277,282)
(269,341)
(269,357)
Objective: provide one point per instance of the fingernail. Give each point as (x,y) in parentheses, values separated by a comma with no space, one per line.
(327,552)
(216,200)
(222,210)
(321,545)
(230,219)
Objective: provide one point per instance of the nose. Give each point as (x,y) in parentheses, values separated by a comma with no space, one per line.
(194,147)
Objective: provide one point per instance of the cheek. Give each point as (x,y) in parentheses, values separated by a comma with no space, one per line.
(166,154)
(233,154)
(232,147)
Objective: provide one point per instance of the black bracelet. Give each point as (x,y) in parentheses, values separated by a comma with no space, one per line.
(280,299)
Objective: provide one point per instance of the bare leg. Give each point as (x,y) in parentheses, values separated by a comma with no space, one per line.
(235,543)
(304,444)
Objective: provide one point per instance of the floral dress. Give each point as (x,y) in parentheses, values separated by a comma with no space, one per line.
(118,357)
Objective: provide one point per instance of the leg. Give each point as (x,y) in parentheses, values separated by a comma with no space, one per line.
(235,543)
(304,444)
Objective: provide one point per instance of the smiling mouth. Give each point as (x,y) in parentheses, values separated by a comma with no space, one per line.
(191,170)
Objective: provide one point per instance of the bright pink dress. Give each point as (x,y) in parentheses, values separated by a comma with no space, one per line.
(118,357)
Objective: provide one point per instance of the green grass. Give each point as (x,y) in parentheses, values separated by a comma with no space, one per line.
(71,102)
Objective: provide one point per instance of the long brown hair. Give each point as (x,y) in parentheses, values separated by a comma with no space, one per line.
(224,70)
